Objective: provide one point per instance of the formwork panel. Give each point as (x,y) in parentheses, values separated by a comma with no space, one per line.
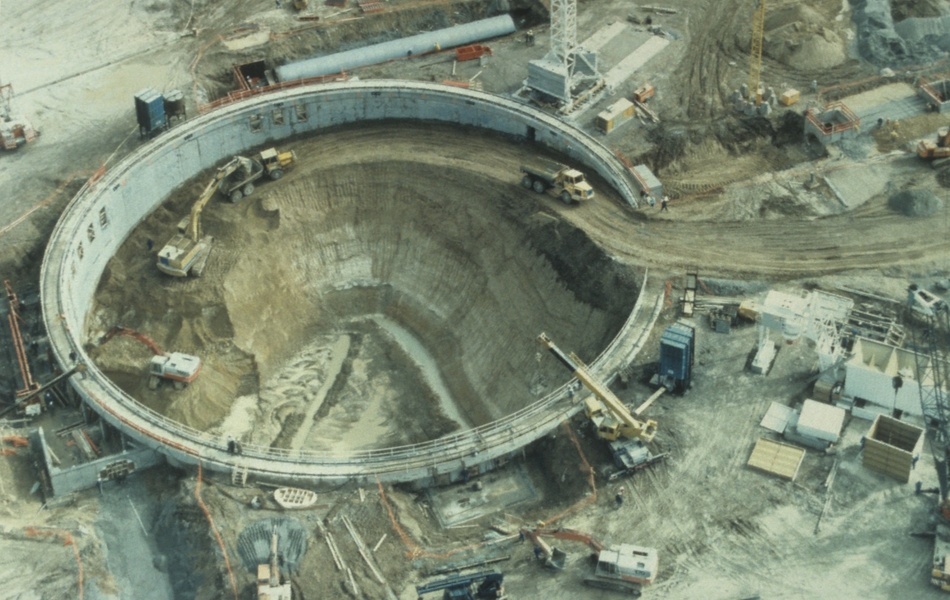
(891,446)
(777,458)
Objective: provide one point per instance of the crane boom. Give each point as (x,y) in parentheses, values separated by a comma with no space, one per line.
(755,51)
(931,374)
(932,346)
(607,411)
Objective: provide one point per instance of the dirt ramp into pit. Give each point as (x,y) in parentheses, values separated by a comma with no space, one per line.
(420,272)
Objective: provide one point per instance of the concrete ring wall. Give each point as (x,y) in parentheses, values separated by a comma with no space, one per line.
(103,214)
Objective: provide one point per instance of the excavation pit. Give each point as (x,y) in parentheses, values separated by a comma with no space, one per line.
(366,300)
(373,313)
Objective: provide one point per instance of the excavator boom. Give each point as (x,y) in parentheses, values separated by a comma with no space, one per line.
(120,330)
(238,162)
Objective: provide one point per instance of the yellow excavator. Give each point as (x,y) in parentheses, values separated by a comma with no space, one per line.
(187,252)
(627,434)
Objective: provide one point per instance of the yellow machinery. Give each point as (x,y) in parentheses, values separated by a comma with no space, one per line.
(275,162)
(755,51)
(609,415)
(269,586)
(187,252)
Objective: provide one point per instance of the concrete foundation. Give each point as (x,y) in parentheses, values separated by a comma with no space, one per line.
(115,204)
(936,94)
(87,475)
(836,122)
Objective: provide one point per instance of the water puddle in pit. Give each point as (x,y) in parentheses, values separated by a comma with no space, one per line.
(422,359)
(373,405)
(338,355)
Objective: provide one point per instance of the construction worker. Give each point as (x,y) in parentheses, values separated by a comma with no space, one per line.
(663,204)
(537,552)
(620,494)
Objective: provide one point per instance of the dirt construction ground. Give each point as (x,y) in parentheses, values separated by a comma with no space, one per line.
(458,269)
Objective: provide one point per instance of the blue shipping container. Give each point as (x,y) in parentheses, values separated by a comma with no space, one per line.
(149,110)
(676,354)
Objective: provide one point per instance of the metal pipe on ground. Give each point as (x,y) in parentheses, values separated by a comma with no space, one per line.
(422,43)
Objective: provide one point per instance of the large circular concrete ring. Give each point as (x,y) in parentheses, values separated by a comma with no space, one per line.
(105,211)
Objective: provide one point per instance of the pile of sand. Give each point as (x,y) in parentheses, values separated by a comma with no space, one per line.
(915,203)
(797,37)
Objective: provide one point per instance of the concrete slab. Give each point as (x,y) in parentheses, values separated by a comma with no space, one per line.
(895,110)
(855,186)
(603,35)
(639,57)
(460,504)
(881,95)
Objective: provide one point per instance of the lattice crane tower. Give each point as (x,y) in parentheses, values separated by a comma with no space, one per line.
(568,73)
(564,32)
(755,51)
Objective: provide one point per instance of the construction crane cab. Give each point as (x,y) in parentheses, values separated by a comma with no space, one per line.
(627,435)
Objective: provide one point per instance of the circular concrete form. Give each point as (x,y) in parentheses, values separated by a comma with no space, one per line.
(105,212)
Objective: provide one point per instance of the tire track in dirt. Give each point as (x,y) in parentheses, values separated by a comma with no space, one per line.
(871,237)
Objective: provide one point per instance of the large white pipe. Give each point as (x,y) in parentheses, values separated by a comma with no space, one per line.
(451,37)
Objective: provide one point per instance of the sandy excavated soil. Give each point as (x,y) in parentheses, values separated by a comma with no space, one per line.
(723,531)
(281,307)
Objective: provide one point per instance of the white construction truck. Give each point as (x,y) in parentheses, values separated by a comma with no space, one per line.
(624,568)
(177,367)
(570,184)
(15,130)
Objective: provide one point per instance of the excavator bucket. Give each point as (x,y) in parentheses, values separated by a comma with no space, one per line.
(558,559)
